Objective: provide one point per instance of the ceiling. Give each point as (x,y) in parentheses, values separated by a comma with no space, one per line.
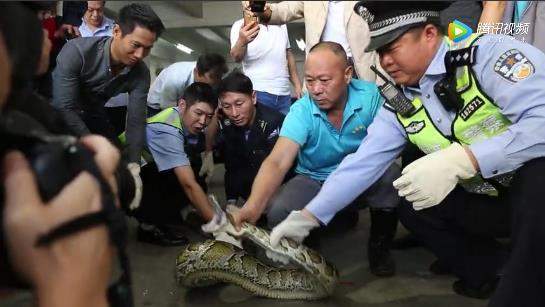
(203,26)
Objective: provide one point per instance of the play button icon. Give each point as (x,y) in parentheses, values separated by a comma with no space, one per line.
(458,31)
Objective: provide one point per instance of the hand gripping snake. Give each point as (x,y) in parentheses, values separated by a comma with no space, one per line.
(209,262)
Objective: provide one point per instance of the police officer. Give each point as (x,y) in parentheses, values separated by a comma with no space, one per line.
(477,109)
(247,134)
(174,141)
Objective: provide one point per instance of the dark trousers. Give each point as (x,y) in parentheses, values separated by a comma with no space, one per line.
(163,197)
(153,112)
(523,283)
(461,232)
(103,122)
(98,122)
(117,117)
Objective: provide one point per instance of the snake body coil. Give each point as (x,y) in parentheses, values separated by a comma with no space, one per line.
(209,262)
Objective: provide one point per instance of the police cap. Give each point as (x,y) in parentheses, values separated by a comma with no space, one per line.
(388,20)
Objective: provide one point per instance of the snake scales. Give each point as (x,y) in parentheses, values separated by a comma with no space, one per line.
(209,262)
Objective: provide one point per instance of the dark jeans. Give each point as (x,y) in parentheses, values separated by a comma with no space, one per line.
(461,232)
(279,103)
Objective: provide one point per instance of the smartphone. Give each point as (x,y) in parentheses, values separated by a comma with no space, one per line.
(257,6)
(249,18)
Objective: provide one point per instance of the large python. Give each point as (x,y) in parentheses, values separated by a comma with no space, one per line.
(209,262)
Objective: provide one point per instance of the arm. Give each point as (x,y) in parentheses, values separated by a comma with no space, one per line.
(167,88)
(492,12)
(358,171)
(66,88)
(194,192)
(278,13)
(166,144)
(284,12)
(211,132)
(245,35)
(208,166)
(522,102)
(136,115)
(294,77)
(268,179)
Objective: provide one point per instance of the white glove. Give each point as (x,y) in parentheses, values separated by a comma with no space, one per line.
(207,165)
(428,180)
(296,226)
(219,224)
(134,169)
(219,220)
(216,223)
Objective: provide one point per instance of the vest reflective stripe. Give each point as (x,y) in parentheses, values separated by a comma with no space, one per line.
(169,117)
(478,119)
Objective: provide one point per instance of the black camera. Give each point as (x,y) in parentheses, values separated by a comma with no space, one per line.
(69,36)
(257,6)
(445,89)
(56,160)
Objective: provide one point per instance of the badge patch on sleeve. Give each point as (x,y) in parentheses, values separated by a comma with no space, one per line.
(514,66)
(415,127)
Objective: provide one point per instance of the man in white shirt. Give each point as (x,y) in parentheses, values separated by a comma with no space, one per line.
(334,30)
(268,61)
(333,21)
(170,85)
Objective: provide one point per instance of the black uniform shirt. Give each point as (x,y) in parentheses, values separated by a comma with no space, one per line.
(245,149)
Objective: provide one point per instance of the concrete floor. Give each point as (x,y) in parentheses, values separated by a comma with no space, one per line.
(413,285)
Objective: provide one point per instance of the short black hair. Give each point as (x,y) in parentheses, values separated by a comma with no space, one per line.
(200,92)
(86,6)
(212,62)
(138,14)
(235,82)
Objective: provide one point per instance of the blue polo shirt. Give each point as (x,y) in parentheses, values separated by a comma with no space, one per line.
(323,146)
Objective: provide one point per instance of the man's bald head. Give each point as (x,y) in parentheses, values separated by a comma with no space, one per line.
(333,47)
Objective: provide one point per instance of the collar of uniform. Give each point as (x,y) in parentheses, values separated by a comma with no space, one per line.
(437,65)
(184,130)
(350,107)
(258,116)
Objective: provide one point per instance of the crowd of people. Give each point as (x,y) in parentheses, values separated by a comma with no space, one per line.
(391,113)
